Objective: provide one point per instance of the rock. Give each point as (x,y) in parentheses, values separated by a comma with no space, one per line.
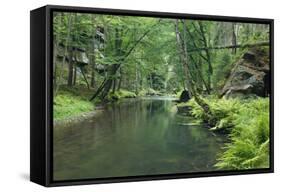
(184,110)
(184,97)
(249,76)
(249,56)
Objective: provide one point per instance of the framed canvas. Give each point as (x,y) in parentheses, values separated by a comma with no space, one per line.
(125,95)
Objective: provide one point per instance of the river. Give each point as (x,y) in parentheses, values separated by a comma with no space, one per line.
(134,137)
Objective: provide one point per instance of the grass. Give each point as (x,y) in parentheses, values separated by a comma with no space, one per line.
(247,122)
(73,101)
(68,103)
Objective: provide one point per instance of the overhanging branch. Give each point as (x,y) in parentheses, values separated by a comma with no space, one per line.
(229,47)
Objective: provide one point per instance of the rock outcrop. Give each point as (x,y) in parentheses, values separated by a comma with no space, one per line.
(250,75)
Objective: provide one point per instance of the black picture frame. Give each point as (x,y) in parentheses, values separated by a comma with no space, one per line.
(41,100)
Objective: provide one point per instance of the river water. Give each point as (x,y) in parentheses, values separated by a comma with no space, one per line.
(134,137)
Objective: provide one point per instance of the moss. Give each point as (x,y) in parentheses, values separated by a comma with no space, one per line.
(150,92)
(67,104)
(117,95)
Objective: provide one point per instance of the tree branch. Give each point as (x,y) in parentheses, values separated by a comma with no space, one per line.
(230,46)
(138,41)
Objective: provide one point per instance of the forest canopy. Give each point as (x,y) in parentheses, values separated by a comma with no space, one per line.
(107,53)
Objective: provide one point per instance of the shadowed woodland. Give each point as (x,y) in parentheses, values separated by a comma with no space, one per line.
(218,72)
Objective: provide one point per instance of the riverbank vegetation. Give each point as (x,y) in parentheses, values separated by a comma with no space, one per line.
(71,102)
(247,123)
(223,67)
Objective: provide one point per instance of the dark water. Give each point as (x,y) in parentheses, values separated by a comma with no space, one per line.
(135,137)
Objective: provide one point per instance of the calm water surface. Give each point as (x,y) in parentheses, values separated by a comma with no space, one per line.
(134,137)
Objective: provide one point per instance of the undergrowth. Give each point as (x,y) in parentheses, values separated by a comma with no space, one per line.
(247,123)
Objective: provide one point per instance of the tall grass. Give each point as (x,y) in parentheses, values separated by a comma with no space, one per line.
(247,122)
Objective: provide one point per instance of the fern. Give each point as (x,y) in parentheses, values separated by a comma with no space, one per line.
(247,122)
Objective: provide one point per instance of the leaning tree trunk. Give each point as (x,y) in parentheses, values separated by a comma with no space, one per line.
(198,69)
(105,87)
(109,81)
(84,76)
(184,59)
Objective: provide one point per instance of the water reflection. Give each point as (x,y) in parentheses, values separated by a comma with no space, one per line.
(136,137)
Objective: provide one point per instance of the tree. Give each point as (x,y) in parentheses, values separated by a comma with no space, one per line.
(184,59)
(120,56)
(58,33)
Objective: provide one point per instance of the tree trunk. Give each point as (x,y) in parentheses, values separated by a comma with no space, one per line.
(208,57)
(93,54)
(200,74)
(85,78)
(74,75)
(99,90)
(105,87)
(114,85)
(234,43)
(93,80)
(109,82)
(55,63)
(120,79)
(69,27)
(136,78)
(198,69)
(191,86)
(70,68)
(230,46)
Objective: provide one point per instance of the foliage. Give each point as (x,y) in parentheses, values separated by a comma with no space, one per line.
(131,54)
(222,110)
(107,58)
(248,124)
(222,69)
(249,147)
